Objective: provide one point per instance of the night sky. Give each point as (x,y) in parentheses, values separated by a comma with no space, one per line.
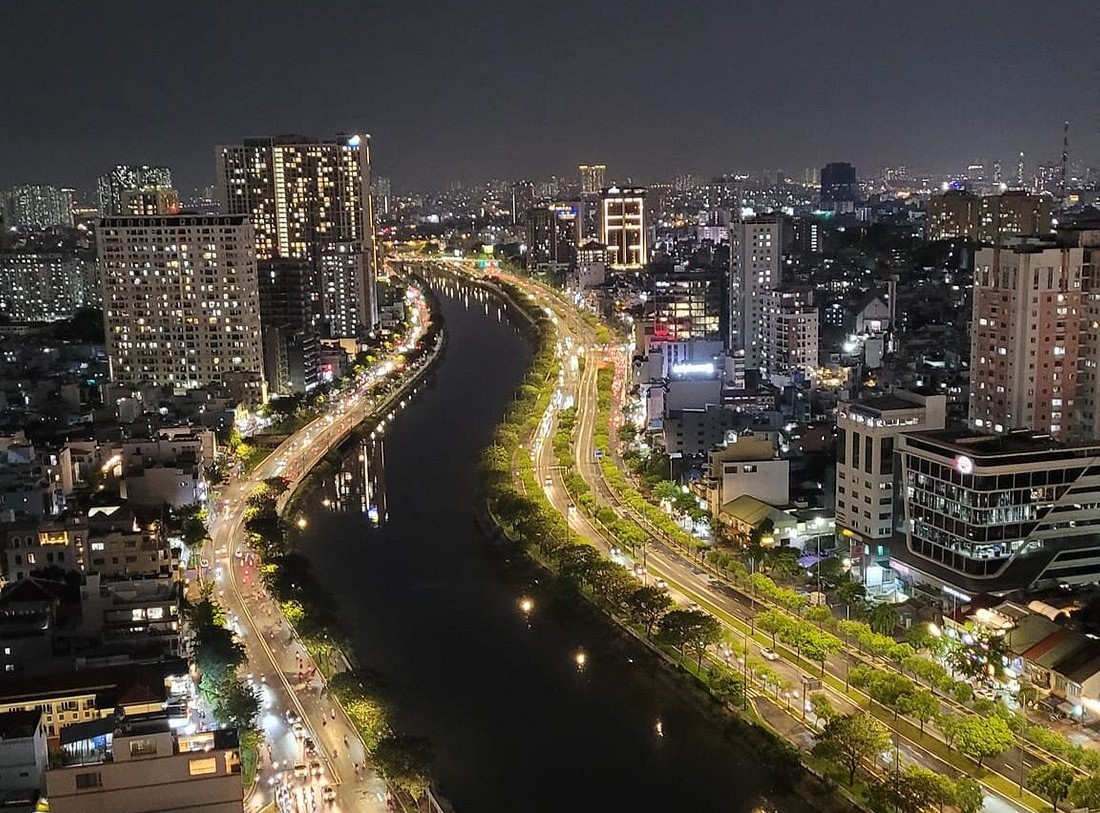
(487,88)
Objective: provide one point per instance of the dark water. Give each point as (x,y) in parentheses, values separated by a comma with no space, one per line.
(516,725)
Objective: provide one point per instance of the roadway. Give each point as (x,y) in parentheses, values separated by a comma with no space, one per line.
(688,583)
(287,680)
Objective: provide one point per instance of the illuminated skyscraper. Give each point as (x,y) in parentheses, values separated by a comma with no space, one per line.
(37,206)
(181,302)
(114,185)
(592,178)
(622,227)
(755,271)
(309,199)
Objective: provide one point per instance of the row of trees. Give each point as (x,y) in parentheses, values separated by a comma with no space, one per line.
(806,638)
(1058,782)
(854,741)
(218,654)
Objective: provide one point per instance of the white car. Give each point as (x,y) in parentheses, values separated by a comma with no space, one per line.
(298,729)
(769,654)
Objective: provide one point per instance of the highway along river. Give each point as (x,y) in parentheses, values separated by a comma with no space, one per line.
(434,609)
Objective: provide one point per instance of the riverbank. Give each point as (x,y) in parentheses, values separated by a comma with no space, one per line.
(309,613)
(514,486)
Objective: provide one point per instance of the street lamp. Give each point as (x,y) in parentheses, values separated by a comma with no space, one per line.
(581,660)
(302,522)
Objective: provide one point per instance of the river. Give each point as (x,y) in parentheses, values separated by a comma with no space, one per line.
(434,609)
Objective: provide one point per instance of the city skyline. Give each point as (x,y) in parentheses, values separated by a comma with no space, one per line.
(856,85)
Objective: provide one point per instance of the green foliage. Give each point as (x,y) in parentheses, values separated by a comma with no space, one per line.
(982,737)
(850,739)
(646,605)
(1085,792)
(405,762)
(969,796)
(1052,781)
(726,685)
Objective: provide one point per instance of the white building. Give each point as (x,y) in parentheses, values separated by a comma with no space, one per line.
(46,287)
(181,303)
(749,466)
(110,766)
(755,250)
(23,756)
(37,206)
(867,430)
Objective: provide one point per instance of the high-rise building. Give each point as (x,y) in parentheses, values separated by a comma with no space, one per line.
(791,337)
(867,430)
(997,513)
(623,226)
(46,287)
(37,206)
(292,353)
(309,199)
(987,218)
(1035,344)
(181,302)
(523,198)
(1021,176)
(839,188)
(552,236)
(382,191)
(592,176)
(755,270)
(151,200)
(113,186)
(687,306)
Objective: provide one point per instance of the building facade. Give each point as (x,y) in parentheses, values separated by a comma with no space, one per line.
(687,306)
(839,187)
(868,430)
(181,301)
(37,206)
(623,227)
(998,513)
(113,186)
(755,271)
(309,199)
(958,214)
(46,287)
(791,337)
(292,356)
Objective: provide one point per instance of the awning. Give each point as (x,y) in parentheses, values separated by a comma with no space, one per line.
(90,729)
(1068,709)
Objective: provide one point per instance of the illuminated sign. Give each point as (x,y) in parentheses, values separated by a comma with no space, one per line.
(951,591)
(355,141)
(964,465)
(706,368)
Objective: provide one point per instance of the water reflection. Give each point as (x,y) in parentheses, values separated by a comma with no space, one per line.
(360,483)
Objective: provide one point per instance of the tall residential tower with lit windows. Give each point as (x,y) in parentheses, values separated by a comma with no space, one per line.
(181,303)
(756,245)
(623,227)
(309,199)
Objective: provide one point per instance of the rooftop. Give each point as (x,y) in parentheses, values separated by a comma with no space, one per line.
(1018,442)
(17,725)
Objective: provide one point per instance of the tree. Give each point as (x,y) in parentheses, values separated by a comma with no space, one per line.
(819,615)
(726,685)
(772,622)
(822,707)
(883,619)
(405,762)
(689,628)
(580,564)
(916,789)
(919,704)
(851,738)
(237,706)
(969,796)
(703,631)
(921,637)
(1052,781)
(851,592)
(647,604)
(667,491)
(981,737)
(1085,792)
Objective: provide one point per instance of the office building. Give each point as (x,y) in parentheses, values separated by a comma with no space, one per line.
(755,270)
(140,764)
(292,356)
(997,513)
(958,214)
(623,227)
(839,188)
(181,302)
(1035,353)
(687,305)
(591,176)
(791,335)
(113,186)
(309,199)
(37,206)
(867,432)
(46,287)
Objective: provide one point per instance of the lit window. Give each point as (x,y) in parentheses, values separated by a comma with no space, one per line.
(202,767)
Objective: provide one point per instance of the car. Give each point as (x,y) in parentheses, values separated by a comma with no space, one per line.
(714,581)
(572,508)
(548,481)
(661,583)
(769,654)
(315,768)
(309,746)
(301,771)
(292,717)
(694,605)
(328,793)
(639,569)
(298,729)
